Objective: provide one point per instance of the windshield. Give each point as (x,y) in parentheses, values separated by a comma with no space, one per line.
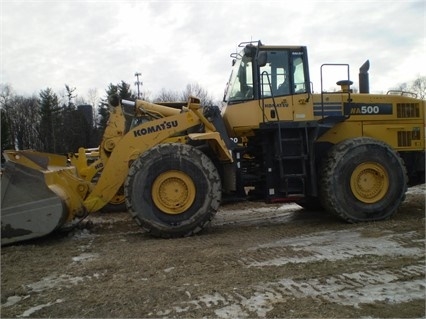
(283,73)
(240,85)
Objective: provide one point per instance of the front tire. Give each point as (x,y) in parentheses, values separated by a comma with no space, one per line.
(311,203)
(173,190)
(363,180)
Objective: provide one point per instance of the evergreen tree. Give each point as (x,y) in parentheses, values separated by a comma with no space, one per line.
(5,133)
(123,91)
(73,125)
(50,123)
(70,97)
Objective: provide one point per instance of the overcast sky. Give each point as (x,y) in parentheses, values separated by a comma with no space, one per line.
(89,44)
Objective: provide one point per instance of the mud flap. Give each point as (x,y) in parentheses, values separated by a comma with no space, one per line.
(29,209)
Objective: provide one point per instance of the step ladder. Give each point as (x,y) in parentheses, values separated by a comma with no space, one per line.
(293,161)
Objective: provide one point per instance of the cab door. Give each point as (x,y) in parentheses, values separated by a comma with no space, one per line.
(303,105)
(284,86)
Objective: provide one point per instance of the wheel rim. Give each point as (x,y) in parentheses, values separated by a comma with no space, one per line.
(118,198)
(369,182)
(173,192)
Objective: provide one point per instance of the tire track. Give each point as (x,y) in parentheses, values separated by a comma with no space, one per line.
(348,289)
(356,288)
(332,246)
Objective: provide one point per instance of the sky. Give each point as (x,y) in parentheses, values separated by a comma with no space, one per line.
(90,44)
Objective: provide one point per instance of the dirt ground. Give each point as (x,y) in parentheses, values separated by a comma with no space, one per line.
(255,261)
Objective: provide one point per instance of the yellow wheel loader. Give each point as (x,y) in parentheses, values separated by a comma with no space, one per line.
(274,139)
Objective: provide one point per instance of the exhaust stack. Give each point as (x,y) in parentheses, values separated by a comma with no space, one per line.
(364,85)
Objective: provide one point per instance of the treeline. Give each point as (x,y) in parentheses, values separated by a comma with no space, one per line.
(61,125)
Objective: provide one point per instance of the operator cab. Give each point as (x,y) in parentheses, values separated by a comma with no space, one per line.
(267,83)
(264,71)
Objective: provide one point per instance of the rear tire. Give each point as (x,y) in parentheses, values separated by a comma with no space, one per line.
(363,180)
(173,190)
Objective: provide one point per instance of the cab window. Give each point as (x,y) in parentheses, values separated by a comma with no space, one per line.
(241,81)
(274,75)
(299,73)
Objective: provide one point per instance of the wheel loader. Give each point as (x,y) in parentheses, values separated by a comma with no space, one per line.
(349,153)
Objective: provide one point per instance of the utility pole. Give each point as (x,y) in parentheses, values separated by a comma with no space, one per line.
(138,83)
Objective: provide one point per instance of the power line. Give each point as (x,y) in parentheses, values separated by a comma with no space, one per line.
(138,83)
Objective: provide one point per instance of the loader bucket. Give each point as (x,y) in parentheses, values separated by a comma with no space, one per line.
(29,209)
(34,197)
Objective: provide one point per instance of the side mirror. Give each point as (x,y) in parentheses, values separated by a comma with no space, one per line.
(262,58)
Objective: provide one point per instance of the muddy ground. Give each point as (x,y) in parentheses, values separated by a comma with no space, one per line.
(256,260)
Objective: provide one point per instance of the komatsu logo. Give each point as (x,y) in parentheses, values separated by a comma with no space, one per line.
(155,128)
(281,104)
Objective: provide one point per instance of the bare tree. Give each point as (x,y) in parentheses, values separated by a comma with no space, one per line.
(22,116)
(93,100)
(7,136)
(194,89)
(167,96)
(6,94)
(25,115)
(418,86)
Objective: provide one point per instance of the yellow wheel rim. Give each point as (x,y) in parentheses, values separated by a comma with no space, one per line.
(369,182)
(173,192)
(118,198)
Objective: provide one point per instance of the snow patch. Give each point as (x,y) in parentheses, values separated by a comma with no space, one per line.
(85,257)
(349,289)
(169,269)
(13,300)
(232,311)
(418,189)
(354,289)
(339,245)
(53,281)
(84,233)
(30,311)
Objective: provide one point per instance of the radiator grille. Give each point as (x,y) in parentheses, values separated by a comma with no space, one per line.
(405,137)
(406,110)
